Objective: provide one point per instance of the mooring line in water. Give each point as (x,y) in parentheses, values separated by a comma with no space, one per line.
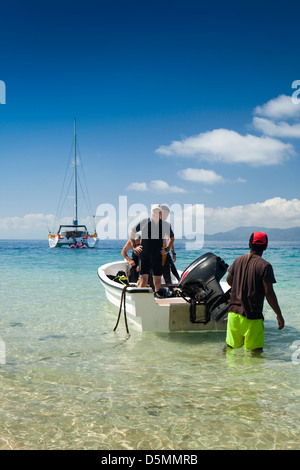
(123,301)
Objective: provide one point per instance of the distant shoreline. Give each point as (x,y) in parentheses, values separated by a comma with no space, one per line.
(239,234)
(243,233)
(207,239)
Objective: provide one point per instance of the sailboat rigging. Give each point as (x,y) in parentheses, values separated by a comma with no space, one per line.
(74,235)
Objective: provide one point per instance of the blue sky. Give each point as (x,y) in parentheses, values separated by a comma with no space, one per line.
(176,102)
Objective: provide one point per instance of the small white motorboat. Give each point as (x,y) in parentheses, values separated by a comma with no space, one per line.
(148,313)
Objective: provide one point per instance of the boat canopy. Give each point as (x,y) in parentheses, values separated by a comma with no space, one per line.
(71,231)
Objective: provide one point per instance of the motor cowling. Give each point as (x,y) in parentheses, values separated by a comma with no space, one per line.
(200,282)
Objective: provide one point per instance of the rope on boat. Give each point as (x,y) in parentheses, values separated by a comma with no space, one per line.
(123,301)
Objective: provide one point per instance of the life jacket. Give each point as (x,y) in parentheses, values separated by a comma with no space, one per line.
(121,278)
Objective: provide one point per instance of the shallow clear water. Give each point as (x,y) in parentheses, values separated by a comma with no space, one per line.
(70,382)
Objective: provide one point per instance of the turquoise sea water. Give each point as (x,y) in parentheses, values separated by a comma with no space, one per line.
(67,381)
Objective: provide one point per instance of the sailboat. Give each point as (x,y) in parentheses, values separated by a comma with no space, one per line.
(74,235)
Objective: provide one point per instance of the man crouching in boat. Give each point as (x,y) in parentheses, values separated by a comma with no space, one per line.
(154,230)
(134,260)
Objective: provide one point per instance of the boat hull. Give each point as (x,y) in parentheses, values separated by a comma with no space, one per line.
(56,242)
(150,314)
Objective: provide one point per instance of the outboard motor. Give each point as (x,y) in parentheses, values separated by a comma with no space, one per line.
(200,283)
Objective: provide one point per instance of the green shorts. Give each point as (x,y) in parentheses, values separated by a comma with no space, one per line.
(242,331)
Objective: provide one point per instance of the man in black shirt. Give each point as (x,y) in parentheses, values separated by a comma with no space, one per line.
(251,279)
(153,231)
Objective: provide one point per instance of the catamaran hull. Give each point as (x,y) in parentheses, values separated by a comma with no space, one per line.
(90,242)
(146,312)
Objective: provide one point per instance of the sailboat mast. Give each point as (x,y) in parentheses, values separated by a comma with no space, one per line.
(75,177)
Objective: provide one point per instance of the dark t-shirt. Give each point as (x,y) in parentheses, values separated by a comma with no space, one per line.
(151,230)
(153,235)
(247,290)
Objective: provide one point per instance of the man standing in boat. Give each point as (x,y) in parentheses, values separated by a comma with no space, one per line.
(154,230)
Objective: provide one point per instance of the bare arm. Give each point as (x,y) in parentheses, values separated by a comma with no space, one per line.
(124,251)
(272,301)
(169,246)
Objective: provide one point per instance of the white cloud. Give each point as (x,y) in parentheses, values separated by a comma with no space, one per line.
(278,108)
(201,176)
(138,187)
(162,186)
(156,185)
(280,129)
(272,213)
(281,107)
(228,146)
(15,226)
(35,226)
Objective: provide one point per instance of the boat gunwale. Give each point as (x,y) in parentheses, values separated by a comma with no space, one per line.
(130,289)
(116,285)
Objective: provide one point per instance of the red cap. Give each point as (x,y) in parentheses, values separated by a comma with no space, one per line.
(259,238)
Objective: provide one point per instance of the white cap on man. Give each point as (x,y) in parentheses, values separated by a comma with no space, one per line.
(155,207)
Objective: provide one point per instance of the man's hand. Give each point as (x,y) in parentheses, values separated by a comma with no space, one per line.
(137,249)
(280,321)
(272,301)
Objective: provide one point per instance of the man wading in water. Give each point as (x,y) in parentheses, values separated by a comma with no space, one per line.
(251,279)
